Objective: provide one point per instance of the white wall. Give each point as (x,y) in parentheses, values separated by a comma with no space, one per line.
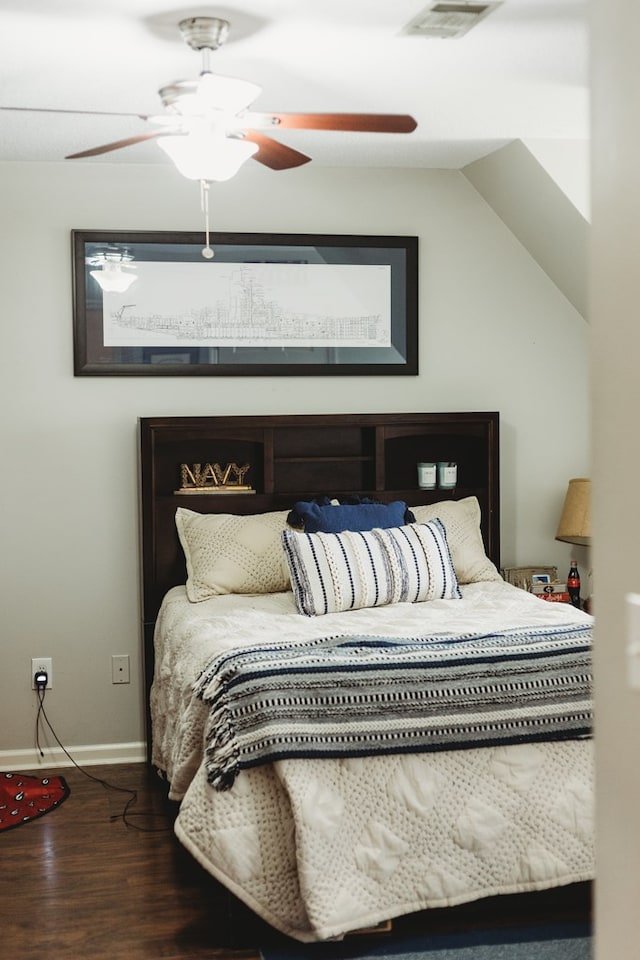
(495,334)
(539,212)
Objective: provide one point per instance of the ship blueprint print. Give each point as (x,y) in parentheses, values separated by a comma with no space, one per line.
(252,304)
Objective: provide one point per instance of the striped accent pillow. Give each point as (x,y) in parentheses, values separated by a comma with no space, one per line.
(332,572)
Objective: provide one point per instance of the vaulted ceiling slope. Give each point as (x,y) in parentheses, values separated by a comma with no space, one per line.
(544,211)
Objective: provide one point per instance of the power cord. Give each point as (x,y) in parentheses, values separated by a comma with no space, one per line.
(40,680)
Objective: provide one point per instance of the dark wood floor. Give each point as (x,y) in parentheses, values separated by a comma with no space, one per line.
(78,884)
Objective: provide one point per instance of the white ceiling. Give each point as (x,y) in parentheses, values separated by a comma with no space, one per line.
(521,73)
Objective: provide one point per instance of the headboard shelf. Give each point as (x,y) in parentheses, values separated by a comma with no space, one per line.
(325,459)
(296,457)
(299,457)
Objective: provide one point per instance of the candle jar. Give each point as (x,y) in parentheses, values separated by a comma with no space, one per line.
(447,474)
(427,476)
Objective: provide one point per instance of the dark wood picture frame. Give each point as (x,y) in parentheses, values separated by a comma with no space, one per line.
(165,338)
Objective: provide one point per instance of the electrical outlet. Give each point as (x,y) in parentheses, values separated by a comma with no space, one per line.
(120,668)
(42,663)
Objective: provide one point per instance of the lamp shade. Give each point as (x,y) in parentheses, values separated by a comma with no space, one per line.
(575,521)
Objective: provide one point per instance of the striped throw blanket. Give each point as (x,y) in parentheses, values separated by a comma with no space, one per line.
(353,696)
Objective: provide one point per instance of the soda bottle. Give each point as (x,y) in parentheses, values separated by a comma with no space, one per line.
(573,584)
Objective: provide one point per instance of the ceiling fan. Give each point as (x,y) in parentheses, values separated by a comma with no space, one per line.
(208,129)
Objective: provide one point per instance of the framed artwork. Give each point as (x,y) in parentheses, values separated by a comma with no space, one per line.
(157,304)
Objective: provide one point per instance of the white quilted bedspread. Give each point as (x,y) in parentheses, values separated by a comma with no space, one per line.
(320,847)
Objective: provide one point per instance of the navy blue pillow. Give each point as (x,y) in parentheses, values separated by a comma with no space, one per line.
(326,517)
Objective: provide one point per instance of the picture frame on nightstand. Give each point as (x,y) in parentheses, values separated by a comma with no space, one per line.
(523,577)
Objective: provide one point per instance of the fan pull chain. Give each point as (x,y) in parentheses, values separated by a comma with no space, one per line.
(207,252)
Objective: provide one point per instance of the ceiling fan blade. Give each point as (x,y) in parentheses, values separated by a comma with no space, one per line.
(355,122)
(89,113)
(273,154)
(116,145)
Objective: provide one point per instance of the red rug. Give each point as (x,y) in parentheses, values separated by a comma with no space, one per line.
(24,798)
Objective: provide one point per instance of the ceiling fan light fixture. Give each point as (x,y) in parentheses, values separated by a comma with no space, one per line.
(227,93)
(207,156)
(210,92)
(207,129)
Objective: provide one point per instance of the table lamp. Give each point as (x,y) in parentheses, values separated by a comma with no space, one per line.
(575,520)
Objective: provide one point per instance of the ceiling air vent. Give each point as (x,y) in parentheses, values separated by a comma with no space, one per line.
(449,20)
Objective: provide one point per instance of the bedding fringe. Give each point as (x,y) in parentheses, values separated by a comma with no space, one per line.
(222,753)
(366,696)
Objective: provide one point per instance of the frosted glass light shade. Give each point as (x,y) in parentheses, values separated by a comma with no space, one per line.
(226,93)
(207,156)
(575,521)
(209,94)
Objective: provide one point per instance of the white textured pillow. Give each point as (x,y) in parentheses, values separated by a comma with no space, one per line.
(332,572)
(226,553)
(461,519)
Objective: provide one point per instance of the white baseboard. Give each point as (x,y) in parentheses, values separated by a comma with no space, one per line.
(84,756)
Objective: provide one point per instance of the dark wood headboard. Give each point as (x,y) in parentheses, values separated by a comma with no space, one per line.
(299,457)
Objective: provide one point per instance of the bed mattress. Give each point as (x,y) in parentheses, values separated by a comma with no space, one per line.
(318,847)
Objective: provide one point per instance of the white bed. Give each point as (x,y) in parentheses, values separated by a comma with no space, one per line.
(321,847)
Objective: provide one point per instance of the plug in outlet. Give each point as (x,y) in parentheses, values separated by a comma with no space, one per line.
(120,668)
(42,663)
